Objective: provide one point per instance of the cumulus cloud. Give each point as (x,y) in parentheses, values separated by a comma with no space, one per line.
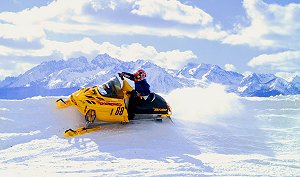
(174,59)
(60,17)
(170,59)
(205,105)
(21,31)
(229,67)
(282,61)
(172,10)
(271,25)
(31,23)
(85,47)
(13,68)
(101,5)
(287,75)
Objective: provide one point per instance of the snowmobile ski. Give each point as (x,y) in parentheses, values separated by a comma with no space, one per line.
(63,103)
(70,133)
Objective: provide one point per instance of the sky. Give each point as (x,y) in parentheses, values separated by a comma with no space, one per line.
(238,35)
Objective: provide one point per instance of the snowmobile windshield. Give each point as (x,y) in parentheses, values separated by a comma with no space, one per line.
(110,88)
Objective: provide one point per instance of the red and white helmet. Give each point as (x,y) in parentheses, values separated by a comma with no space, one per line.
(140,75)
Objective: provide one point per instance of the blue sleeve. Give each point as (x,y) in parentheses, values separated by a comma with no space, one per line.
(144,88)
(129,76)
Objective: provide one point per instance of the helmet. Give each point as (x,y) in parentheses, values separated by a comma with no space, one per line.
(140,75)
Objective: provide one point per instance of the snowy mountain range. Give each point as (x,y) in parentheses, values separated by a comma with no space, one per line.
(64,76)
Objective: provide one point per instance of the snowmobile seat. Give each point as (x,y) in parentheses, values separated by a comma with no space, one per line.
(151,98)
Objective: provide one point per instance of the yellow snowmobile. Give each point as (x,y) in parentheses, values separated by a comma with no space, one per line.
(109,103)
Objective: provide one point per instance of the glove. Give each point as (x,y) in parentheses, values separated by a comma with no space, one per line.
(121,75)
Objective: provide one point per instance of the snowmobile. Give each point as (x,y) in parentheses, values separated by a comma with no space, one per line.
(108,103)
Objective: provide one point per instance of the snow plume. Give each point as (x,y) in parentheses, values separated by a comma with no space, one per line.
(205,105)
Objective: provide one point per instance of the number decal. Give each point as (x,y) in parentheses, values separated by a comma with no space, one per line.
(119,111)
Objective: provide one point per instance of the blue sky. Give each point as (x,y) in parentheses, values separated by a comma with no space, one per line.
(239,35)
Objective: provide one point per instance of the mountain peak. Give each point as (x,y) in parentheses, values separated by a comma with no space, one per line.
(194,70)
(78,60)
(216,68)
(296,79)
(259,78)
(104,60)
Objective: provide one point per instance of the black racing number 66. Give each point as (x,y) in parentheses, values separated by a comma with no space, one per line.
(119,111)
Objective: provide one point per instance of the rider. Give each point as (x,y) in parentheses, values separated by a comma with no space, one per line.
(141,85)
(142,88)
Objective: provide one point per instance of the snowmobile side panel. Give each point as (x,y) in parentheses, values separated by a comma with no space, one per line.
(150,116)
(107,109)
(156,106)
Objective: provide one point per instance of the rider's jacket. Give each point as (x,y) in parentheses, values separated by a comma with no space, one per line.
(141,86)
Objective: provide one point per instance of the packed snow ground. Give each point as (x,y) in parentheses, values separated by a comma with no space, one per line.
(214,134)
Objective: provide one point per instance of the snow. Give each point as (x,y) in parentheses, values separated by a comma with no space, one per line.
(217,134)
(52,83)
(188,102)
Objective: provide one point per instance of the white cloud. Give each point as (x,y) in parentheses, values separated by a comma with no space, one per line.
(21,31)
(271,25)
(283,61)
(229,67)
(29,23)
(247,73)
(18,68)
(174,59)
(85,47)
(172,10)
(101,5)
(287,75)
(170,59)
(61,17)
(210,33)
